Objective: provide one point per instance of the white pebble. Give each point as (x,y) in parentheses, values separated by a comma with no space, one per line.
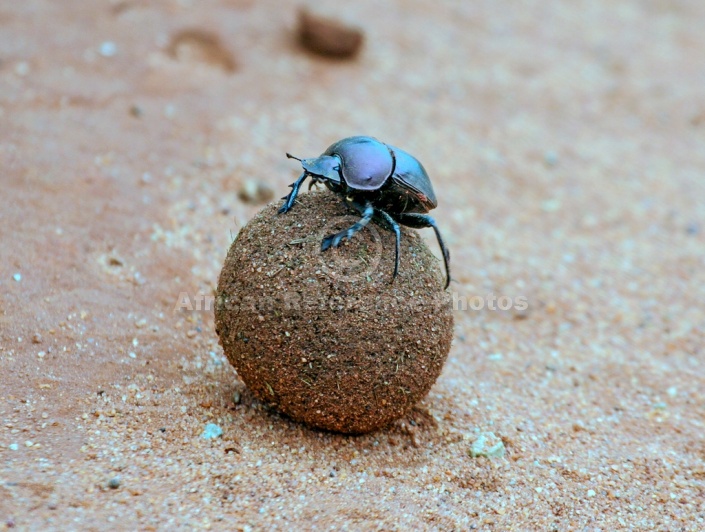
(17,277)
(22,68)
(108,49)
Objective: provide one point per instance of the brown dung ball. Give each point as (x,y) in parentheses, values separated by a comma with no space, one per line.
(329,338)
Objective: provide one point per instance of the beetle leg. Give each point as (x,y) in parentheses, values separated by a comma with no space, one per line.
(397,233)
(334,240)
(419,221)
(379,213)
(315,180)
(291,196)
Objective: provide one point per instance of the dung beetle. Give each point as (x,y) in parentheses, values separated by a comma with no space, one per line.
(380,181)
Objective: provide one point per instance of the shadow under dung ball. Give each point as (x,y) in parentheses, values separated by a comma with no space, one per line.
(327,338)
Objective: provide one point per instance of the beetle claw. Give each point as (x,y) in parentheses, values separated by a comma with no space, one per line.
(290,198)
(326,242)
(333,241)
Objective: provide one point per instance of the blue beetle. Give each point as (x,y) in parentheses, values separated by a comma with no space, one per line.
(380,181)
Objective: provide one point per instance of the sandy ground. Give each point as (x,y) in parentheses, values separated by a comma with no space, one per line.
(565,141)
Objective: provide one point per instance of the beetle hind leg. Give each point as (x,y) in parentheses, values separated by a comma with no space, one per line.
(419,221)
(335,239)
(397,233)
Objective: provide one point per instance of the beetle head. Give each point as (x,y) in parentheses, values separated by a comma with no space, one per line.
(325,167)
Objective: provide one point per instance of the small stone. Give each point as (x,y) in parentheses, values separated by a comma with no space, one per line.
(550,159)
(37,338)
(236,397)
(107,49)
(211,432)
(255,192)
(551,205)
(114,483)
(22,68)
(329,37)
(591,493)
(13,447)
(17,277)
(488,445)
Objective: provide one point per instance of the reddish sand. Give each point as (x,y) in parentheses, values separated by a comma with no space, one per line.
(565,143)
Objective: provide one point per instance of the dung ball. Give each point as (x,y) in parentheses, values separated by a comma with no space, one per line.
(332,339)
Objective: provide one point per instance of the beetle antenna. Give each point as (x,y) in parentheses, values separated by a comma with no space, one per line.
(292,157)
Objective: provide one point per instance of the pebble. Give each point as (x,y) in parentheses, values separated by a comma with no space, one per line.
(550,158)
(692,229)
(114,483)
(17,277)
(551,205)
(255,192)
(22,68)
(488,445)
(326,36)
(211,432)
(107,49)
(13,446)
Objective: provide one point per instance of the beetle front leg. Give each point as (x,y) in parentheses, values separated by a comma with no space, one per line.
(334,240)
(420,221)
(291,196)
